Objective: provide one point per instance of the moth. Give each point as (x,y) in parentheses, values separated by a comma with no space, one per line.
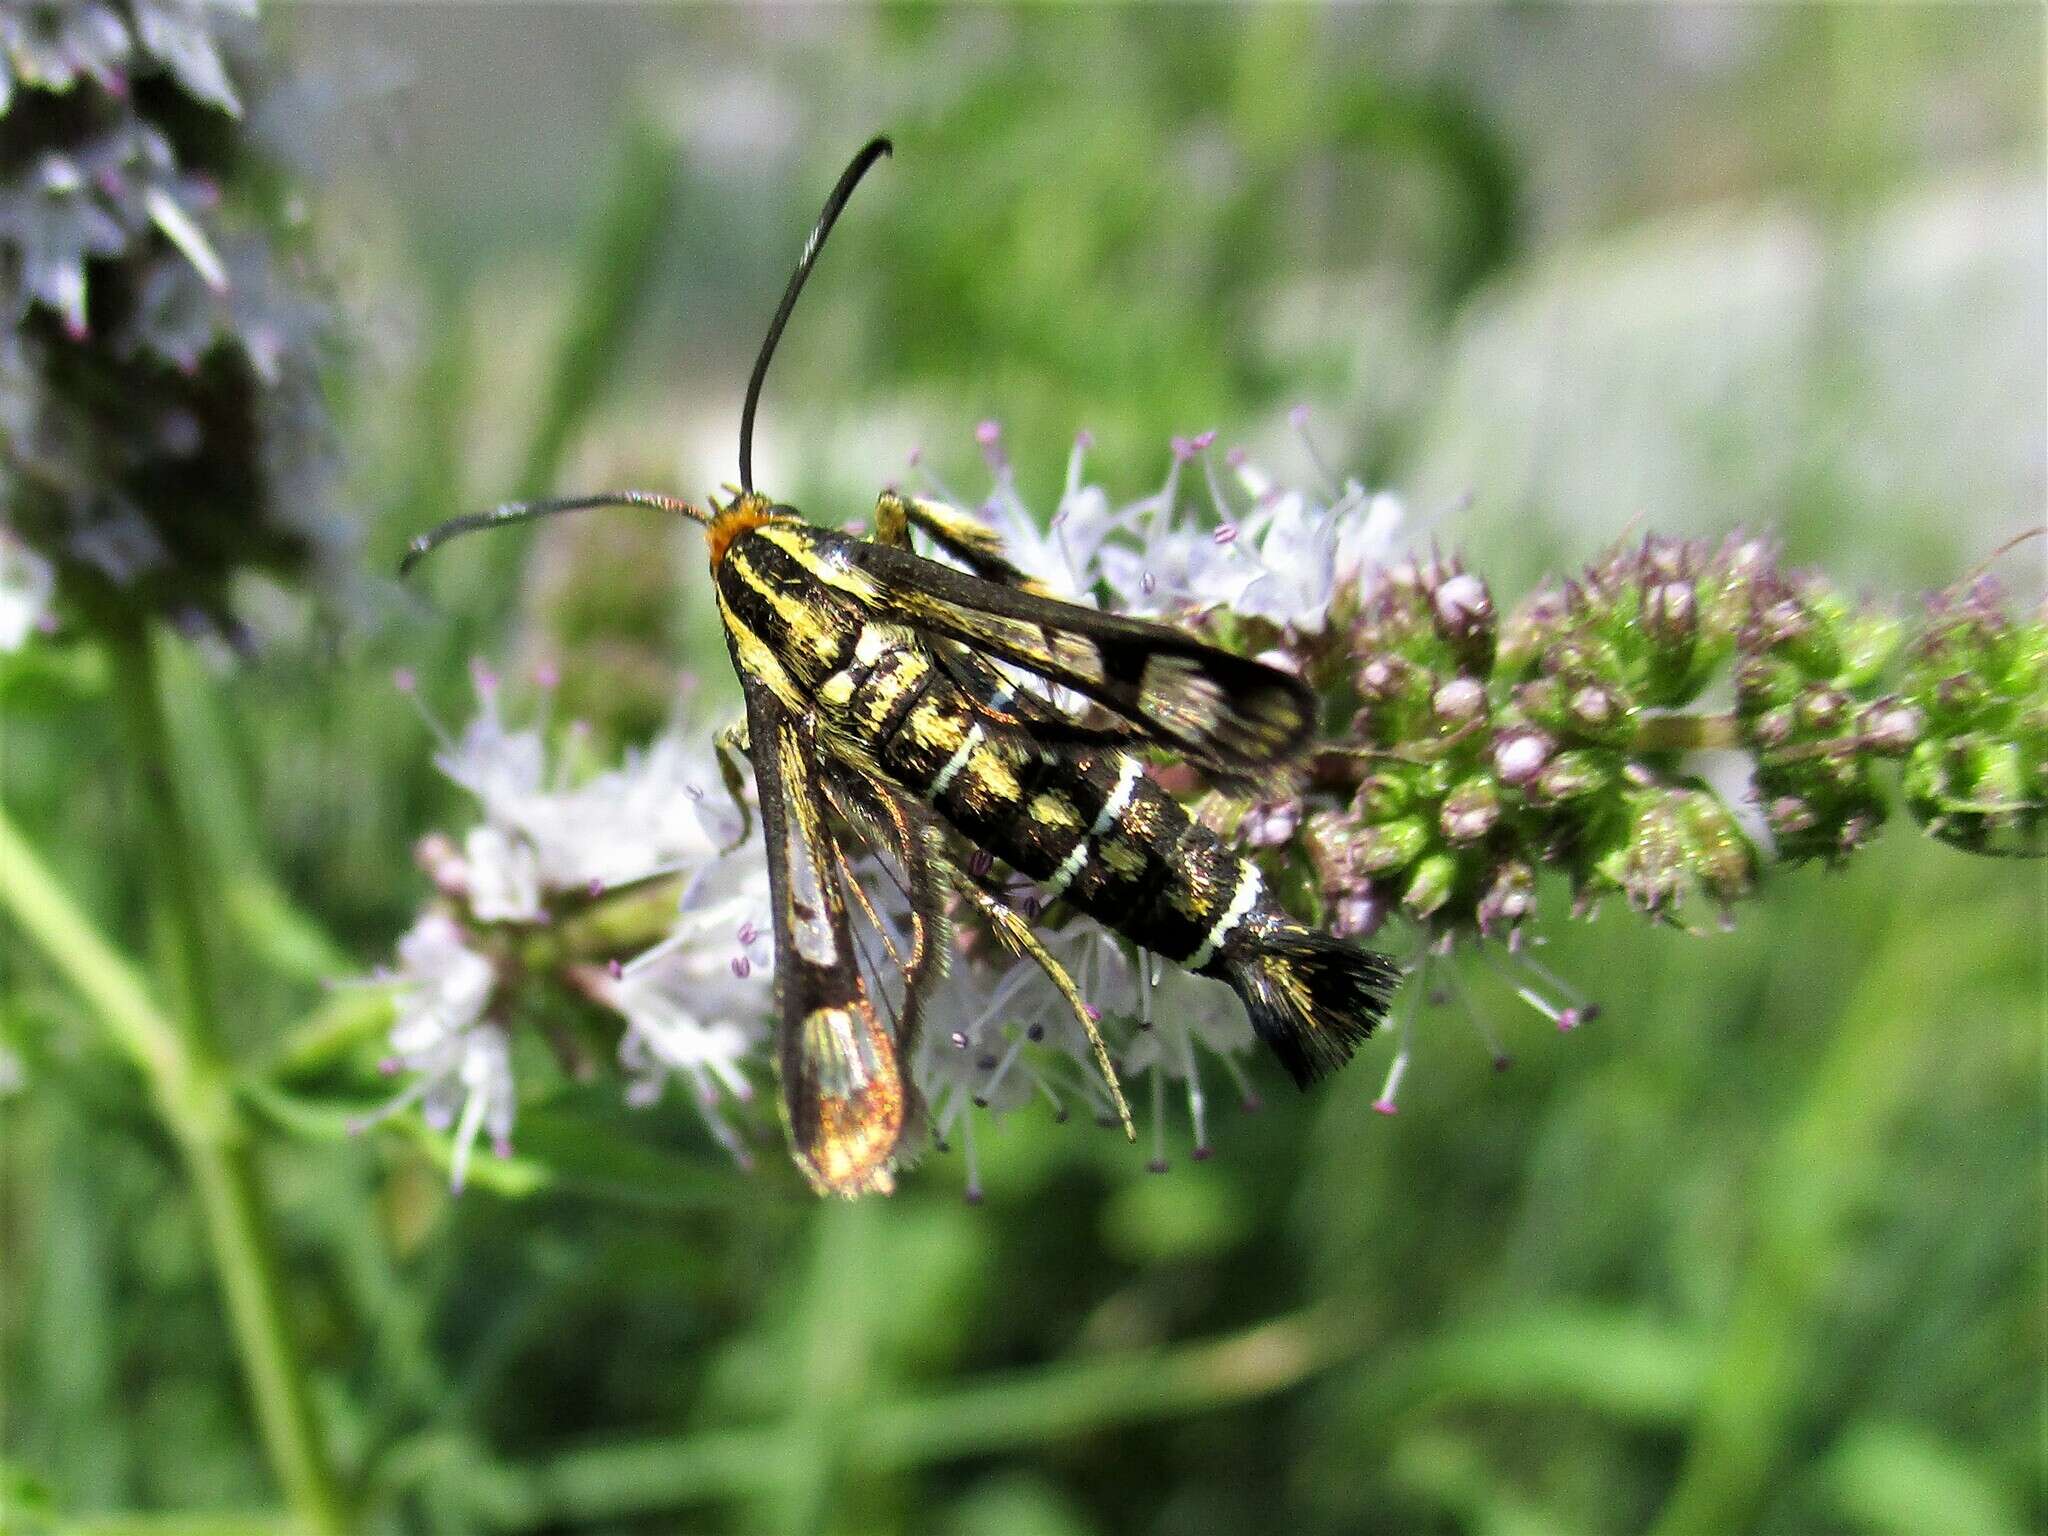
(902,702)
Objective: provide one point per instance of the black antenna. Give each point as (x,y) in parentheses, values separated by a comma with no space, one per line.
(849,178)
(526,511)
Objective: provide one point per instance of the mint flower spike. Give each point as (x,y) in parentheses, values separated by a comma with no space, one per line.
(1485,768)
(1971,720)
(164,425)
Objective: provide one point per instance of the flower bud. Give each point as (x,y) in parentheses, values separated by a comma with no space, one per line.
(1765,682)
(1772,729)
(1509,898)
(1459,701)
(1788,816)
(1869,640)
(1519,755)
(1653,868)
(1569,775)
(1722,859)
(1891,727)
(1823,709)
(1461,611)
(1390,846)
(1271,824)
(1430,886)
(1381,796)
(1384,678)
(441,862)
(1470,811)
(1670,615)
(1359,912)
(1594,708)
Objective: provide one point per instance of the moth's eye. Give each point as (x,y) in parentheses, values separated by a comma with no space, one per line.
(783,509)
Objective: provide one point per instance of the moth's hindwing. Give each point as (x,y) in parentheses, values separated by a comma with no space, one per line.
(845,1090)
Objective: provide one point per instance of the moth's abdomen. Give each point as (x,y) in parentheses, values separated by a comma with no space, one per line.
(1094,830)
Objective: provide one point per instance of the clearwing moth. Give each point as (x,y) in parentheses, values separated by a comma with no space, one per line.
(886,703)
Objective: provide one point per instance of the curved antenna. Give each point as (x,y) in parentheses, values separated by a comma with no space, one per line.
(849,178)
(505,515)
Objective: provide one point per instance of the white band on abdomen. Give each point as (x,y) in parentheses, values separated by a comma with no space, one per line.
(956,762)
(1241,902)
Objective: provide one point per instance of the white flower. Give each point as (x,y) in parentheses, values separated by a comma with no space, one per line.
(662,811)
(444,985)
(1178,1011)
(460,1060)
(27,583)
(1308,553)
(697,1004)
(998,1036)
(1287,560)
(1059,553)
(502,874)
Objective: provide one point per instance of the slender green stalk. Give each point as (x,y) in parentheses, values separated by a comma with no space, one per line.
(1007,1413)
(50,920)
(257,1524)
(1686,733)
(181,1058)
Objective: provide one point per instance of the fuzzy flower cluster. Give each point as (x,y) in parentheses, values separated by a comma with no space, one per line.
(1472,762)
(632,894)
(161,420)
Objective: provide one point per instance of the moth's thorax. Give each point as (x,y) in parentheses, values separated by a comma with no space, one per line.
(788,600)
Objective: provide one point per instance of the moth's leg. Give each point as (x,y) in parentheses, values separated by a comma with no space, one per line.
(730,743)
(888,820)
(834,798)
(1016,933)
(961,535)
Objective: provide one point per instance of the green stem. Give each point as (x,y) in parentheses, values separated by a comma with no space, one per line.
(1005,1414)
(103,977)
(1686,733)
(182,1059)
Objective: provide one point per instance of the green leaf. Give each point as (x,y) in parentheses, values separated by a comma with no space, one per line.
(1901,1480)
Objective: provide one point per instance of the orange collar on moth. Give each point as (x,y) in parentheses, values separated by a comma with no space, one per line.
(744,513)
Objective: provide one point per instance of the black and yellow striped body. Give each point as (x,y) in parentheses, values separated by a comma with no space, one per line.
(1089,825)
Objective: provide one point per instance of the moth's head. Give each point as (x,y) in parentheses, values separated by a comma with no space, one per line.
(746,511)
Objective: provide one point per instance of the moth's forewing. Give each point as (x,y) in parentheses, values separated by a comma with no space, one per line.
(845,1092)
(1173,690)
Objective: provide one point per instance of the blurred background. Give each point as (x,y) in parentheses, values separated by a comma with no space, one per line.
(1761,1250)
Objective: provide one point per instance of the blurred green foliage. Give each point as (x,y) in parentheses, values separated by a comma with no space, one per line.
(1761,1251)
